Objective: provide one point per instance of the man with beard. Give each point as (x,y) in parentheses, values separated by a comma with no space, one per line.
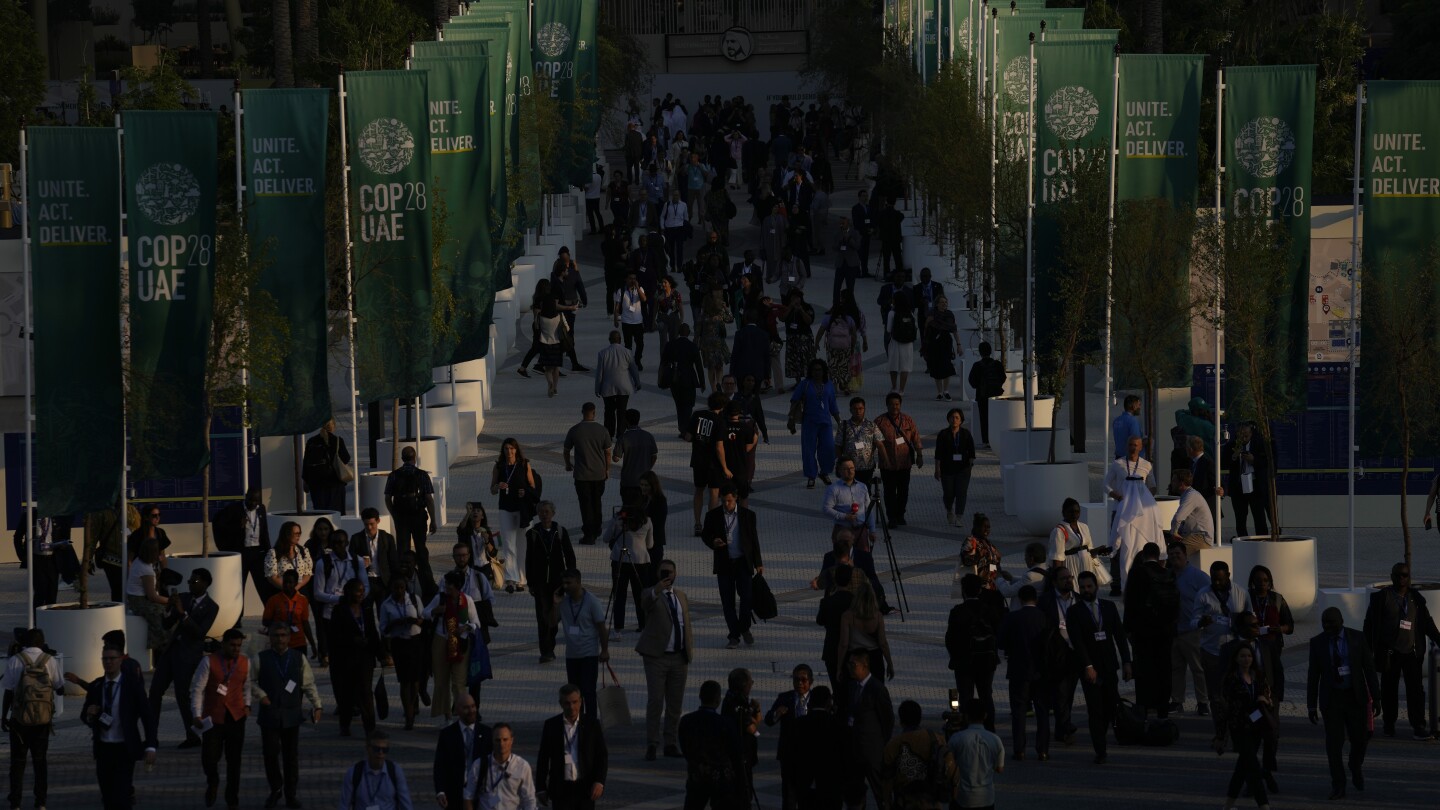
(1101,647)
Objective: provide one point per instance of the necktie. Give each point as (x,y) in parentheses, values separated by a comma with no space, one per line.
(675,622)
(469,735)
(110,687)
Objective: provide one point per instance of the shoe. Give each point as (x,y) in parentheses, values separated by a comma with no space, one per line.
(522,371)
(673,752)
(939,398)
(639,365)
(809,484)
(732,644)
(1424,736)
(946,395)
(509,587)
(699,530)
(1359,780)
(519,588)
(579,369)
(1202,709)
(1270,783)
(273,800)
(425,695)
(1337,793)
(1175,707)
(649,753)
(950,518)
(749,639)
(211,793)
(615,634)
(410,724)
(825,479)
(190,742)
(1044,757)
(545,659)
(561,373)
(1100,759)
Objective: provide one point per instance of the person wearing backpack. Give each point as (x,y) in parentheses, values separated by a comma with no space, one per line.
(917,767)
(31,676)
(410,497)
(375,782)
(902,325)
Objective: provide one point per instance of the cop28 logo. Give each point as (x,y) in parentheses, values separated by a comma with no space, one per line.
(386,146)
(1265,146)
(965,35)
(1017,78)
(1071,112)
(167,193)
(553,39)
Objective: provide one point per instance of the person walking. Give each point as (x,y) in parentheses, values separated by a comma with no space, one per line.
(279,678)
(858,439)
(686,373)
(323,468)
(220,707)
(1127,424)
(288,555)
(1340,683)
(375,782)
(979,755)
(590,444)
(813,405)
(918,771)
(457,625)
(593,192)
(617,376)
(1102,649)
(243,527)
(841,331)
(847,247)
(972,645)
(290,608)
(628,538)
(730,532)
(32,675)
(511,478)
(1021,636)
(1249,718)
(870,716)
(587,644)
(458,746)
(548,556)
(714,755)
(192,615)
(554,335)
(888,225)
(798,318)
(354,651)
(666,645)
(570,771)
(900,449)
(902,325)
(121,724)
(636,453)
(1272,613)
(1129,480)
(1215,612)
(788,708)
(1397,623)
(862,629)
(401,619)
(1152,605)
(410,498)
(940,345)
(987,379)
(1054,603)
(954,460)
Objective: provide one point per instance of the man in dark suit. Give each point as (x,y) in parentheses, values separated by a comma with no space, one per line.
(570,771)
(1397,623)
(970,641)
(870,718)
(749,266)
(788,709)
(459,745)
(242,527)
(1100,645)
(1054,603)
(191,614)
(862,215)
(713,755)
(1247,479)
(122,726)
(1151,601)
(1341,670)
(376,548)
(730,531)
(1022,634)
(816,743)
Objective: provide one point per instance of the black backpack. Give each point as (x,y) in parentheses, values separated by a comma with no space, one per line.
(358,772)
(904,330)
(409,491)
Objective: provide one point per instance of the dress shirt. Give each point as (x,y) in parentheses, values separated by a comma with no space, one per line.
(472,619)
(493,785)
(375,790)
(110,704)
(732,534)
(858,442)
(1191,582)
(306,681)
(476,586)
(1193,516)
(330,582)
(571,732)
(201,679)
(674,215)
(252,528)
(632,309)
(390,611)
(1219,607)
(843,500)
(1063,604)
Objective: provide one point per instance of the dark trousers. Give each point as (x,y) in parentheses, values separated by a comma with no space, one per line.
(979,682)
(675,248)
(684,396)
(570,796)
(1152,672)
(115,773)
(47,580)
(1247,767)
(584,672)
(252,567)
(177,667)
(116,576)
(1257,504)
(1407,666)
(226,738)
(736,582)
(281,749)
(1345,717)
(897,493)
(1063,705)
(634,334)
(592,215)
(955,490)
(637,577)
(890,249)
(1101,698)
(354,683)
(328,497)
(1022,695)
(545,617)
(982,408)
(35,742)
(615,413)
(410,535)
(844,277)
(865,254)
(590,494)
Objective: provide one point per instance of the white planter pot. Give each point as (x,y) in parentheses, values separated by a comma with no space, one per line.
(1007,413)
(444,421)
(1206,557)
(1291,560)
(1096,515)
(471,424)
(470,369)
(77,633)
(137,636)
(1015,384)
(1167,506)
(372,490)
(1352,602)
(1007,479)
(1040,489)
(469,396)
(439,395)
(523,276)
(433,457)
(227,577)
(1017,444)
(307,521)
(503,319)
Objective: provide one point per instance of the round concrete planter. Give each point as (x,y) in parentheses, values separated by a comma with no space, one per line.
(434,453)
(1291,560)
(227,578)
(470,395)
(1017,444)
(1015,383)
(1007,413)
(523,275)
(1040,489)
(372,490)
(470,369)
(1352,603)
(78,633)
(307,521)
(503,319)
(439,395)
(444,421)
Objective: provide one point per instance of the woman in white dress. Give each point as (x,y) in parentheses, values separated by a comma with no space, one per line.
(1072,547)
(1137,518)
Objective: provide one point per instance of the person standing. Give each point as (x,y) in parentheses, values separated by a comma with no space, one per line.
(590,444)
(917,767)
(1248,481)
(687,373)
(847,258)
(702,432)
(987,378)
(1202,470)
(902,327)
(1340,683)
(290,608)
(459,745)
(548,556)
(637,453)
(192,614)
(848,502)
(900,449)
(1021,636)
(788,708)
(979,755)
(410,498)
(335,569)
(571,768)
(863,217)
(714,755)
(377,549)
(617,376)
(940,345)
(220,707)
(858,440)
(870,717)
(1055,602)
(1101,647)
(31,677)
(1272,613)
(813,405)
(593,191)
(121,724)
(1152,605)
(735,448)
(354,651)
(1129,481)
(375,782)
(1397,623)
(400,620)
(587,642)
(1215,612)
(954,460)
(243,527)
(1190,584)
(887,223)
(675,224)
(279,678)
(730,531)
(1249,718)
(324,458)
(1126,425)
(666,645)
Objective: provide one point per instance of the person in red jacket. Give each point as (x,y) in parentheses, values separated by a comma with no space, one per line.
(217,694)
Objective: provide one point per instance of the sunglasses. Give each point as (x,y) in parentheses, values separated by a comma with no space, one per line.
(379,749)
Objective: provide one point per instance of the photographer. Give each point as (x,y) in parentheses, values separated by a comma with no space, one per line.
(629,537)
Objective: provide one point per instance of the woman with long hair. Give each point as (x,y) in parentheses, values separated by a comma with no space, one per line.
(401,620)
(841,331)
(474,531)
(354,650)
(714,348)
(1249,719)
(863,628)
(550,332)
(288,554)
(669,311)
(978,554)
(512,480)
(629,537)
(142,596)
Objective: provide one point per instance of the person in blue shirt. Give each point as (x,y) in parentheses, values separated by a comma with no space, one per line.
(376,781)
(813,405)
(1127,424)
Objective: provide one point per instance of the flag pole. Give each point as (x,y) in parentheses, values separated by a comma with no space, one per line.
(29,381)
(349,291)
(993,40)
(1030,244)
(1105,449)
(1220,286)
(244,371)
(1356,191)
(123,519)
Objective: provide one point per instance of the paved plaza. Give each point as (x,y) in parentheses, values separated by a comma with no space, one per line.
(793,538)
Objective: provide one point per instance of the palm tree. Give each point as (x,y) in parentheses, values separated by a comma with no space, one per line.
(307,39)
(1154,26)
(204,42)
(284,52)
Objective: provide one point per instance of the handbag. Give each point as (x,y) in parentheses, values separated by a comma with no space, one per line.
(478,669)
(342,471)
(614,707)
(382,698)
(762,599)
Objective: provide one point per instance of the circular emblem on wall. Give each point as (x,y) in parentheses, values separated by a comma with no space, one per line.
(736,44)
(386,146)
(553,39)
(1071,112)
(1265,146)
(1017,78)
(167,193)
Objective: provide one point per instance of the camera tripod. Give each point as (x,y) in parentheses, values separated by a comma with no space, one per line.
(877,511)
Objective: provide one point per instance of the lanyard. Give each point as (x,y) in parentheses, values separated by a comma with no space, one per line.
(374,787)
(575,610)
(501,776)
(284,659)
(226,672)
(510,471)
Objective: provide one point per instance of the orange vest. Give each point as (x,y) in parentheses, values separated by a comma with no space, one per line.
(233,701)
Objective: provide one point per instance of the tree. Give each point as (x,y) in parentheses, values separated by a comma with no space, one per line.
(307,40)
(1417,29)
(204,43)
(284,54)
(154,17)
(846,49)
(625,73)
(1154,31)
(23,66)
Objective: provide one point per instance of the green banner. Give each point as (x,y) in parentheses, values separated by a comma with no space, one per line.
(1110,35)
(930,38)
(892,13)
(390,196)
(526,183)
(564,52)
(1010,65)
(72,176)
(587,89)
(1268,136)
(1074,109)
(460,153)
(284,138)
(170,187)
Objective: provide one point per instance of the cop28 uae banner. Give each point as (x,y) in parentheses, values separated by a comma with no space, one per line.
(565,50)
(520,82)
(1268,138)
(460,152)
(74,212)
(283,158)
(170,187)
(390,181)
